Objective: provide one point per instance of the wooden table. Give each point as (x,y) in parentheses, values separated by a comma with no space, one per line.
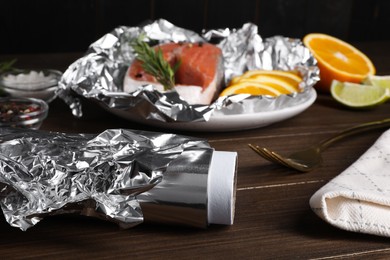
(273,217)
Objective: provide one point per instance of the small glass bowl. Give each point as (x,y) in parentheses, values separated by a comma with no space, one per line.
(22,112)
(41,84)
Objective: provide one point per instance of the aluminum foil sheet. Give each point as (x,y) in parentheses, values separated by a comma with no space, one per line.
(98,75)
(46,173)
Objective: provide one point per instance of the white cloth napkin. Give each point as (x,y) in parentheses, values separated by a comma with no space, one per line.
(359,198)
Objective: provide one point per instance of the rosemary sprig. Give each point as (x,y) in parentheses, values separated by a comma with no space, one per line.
(153,63)
(7,65)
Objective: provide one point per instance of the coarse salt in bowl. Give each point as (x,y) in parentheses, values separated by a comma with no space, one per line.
(41,84)
(22,112)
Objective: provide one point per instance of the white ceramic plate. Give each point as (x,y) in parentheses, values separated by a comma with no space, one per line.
(224,123)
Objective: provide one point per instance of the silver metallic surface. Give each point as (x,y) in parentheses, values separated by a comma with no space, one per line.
(44,173)
(181,197)
(99,74)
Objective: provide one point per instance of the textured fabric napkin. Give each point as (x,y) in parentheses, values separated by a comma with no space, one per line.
(359,198)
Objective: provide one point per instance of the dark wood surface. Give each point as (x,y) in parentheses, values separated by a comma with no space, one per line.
(273,219)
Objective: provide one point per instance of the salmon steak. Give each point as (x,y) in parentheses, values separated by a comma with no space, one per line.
(198,79)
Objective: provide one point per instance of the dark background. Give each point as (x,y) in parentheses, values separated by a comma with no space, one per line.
(41,26)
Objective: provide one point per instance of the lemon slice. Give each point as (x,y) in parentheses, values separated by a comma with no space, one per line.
(375,80)
(358,95)
(264,82)
(252,88)
(287,75)
(282,85)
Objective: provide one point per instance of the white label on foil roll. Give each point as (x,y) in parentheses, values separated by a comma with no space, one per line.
(222,188)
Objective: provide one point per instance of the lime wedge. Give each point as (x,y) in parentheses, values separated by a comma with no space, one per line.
(359,95)
(375,80)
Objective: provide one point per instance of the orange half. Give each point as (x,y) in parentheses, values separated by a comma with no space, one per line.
(337,60)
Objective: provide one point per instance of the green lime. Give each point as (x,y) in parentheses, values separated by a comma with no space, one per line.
(359,95)
(375,80)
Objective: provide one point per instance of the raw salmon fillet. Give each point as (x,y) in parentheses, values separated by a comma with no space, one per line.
(198,79)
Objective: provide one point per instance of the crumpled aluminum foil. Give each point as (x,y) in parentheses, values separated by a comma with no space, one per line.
(98,75)
(46,173)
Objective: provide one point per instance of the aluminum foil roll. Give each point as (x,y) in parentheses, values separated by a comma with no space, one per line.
(98,75)
(112,175)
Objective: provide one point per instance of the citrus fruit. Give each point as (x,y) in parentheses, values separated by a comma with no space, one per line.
(337,60)
(358,95)
(291,77)
(382,81)
(262,82)
(279,84)
(250,87)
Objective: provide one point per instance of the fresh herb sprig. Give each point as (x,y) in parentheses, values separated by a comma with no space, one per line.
(154,63)
(7,65)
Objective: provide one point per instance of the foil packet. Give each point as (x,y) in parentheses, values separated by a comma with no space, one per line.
(99,74)
(115,175)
